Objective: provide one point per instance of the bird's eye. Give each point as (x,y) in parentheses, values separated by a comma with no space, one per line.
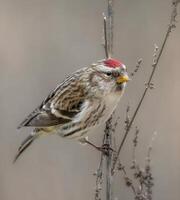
(108,73)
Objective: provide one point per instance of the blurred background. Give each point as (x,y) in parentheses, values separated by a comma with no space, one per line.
(41,42)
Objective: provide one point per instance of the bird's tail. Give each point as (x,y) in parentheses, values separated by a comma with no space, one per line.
(27,142)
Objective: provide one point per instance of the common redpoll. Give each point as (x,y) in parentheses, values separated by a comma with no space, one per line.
(81,102)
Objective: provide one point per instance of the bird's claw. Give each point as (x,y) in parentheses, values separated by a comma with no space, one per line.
(105,148)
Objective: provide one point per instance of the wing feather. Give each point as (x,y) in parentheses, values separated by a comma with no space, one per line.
(60,106)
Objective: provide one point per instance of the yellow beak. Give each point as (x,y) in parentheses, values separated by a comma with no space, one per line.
(122,79)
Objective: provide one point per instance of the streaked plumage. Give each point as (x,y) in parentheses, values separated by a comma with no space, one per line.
(81,102)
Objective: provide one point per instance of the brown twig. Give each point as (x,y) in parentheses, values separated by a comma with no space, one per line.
(138,65)
(110,19)
(135,143)
(108,29)
(108,141)
(108,35)
(128,181)
(105,37)
(99,178)
(149,82)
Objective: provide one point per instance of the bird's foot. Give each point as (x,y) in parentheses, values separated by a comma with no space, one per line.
(105,148)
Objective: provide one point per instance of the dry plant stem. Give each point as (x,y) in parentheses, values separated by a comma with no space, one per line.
(154,67)
(99,176)
(99,179)
(135,143)
(131,185)
(108,36)
(107,140)
(110,26)
(108,30)
(122,168)
(108,173)
(105,38)
(138,65)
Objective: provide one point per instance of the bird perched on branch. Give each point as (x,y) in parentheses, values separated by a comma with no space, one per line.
(81,102)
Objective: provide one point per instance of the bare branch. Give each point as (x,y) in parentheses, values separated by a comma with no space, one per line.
(108,29)
(108,141)
(108,35)
(110,26)
(154,67)
(99,179)
(135,143)
(105,37)
(128,181)
(138,65)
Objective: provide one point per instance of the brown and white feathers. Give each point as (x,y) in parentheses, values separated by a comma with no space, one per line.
(81,102)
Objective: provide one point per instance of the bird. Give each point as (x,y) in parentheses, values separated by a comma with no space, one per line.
(84,100)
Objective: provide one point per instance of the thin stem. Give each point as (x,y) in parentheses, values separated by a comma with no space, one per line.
(99,179)
(122,168)
(108,141)
(154,67)
(110,27)
(108,171)
(108,30)
(105,38)
(99,176)
(108,36)
(131,183)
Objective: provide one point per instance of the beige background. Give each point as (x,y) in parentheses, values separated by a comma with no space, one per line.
(42,41)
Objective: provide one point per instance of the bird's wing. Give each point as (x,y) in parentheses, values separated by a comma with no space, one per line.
(60,106)
(41,118)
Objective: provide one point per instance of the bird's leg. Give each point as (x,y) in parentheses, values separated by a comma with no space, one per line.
(104,148)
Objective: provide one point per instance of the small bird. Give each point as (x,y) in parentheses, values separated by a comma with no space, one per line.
(80,103)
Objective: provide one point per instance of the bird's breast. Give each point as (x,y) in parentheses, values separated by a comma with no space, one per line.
(111,101)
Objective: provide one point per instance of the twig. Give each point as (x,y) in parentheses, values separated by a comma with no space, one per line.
(129,182)
(154,67)
(108,141)
(138,65)
(108,36)
(135,143)
(99,178)
(105,37)
(108,29)
(148,170)
(110,26)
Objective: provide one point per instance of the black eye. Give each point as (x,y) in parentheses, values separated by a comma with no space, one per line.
(108,73)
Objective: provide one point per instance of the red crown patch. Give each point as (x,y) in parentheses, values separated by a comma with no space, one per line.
(113,63)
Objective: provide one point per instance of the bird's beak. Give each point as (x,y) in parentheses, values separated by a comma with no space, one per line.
(122,79)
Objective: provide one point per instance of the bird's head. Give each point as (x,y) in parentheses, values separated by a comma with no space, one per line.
(110,75)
